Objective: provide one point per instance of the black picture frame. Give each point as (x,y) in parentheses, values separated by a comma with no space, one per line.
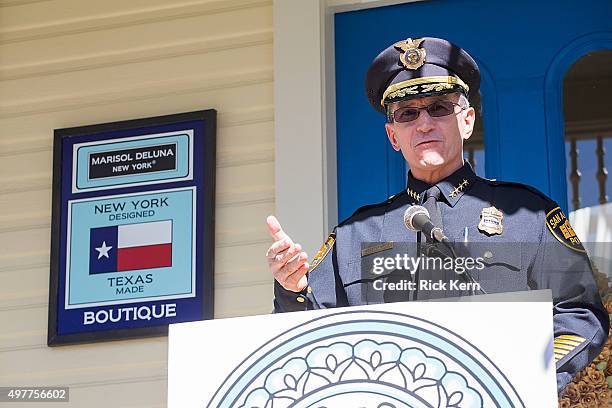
(202,125)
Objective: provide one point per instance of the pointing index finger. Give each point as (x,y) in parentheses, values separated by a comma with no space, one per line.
(275,229)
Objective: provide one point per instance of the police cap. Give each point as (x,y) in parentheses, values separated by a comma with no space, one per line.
(415,68)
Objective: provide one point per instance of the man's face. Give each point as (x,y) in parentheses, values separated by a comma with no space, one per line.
(432,143)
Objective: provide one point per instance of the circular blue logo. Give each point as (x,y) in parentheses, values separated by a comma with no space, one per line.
(367,359)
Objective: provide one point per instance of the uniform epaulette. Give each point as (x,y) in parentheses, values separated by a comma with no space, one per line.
(556,221)
(393,197)
(549,201)
(361,209)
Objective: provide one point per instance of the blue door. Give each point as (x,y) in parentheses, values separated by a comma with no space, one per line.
(523,49)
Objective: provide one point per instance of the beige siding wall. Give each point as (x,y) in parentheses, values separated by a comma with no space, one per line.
(67,63)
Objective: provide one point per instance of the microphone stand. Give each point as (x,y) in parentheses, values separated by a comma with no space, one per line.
(466,276)
(423,225)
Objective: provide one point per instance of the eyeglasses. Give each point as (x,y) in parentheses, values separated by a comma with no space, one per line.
(435,110)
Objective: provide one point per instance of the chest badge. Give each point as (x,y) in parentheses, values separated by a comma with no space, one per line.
(491,221)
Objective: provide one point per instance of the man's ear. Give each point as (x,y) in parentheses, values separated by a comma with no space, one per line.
(468,123)
(391,135)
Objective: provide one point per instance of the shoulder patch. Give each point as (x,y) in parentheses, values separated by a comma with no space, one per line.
(560,227)
(323,251)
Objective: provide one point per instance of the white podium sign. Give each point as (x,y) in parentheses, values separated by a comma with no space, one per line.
(415,354)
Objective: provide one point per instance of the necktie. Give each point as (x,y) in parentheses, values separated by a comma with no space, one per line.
(431,204)
(433,250)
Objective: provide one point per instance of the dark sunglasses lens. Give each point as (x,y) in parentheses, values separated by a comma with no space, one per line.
(403,115)
(441,108)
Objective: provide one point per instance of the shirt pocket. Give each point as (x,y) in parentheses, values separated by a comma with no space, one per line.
(368,274)
(499,266)
(360,289)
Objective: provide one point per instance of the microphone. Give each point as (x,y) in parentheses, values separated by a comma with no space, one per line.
(416,218)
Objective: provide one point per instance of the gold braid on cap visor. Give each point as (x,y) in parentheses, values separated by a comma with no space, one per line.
(426,84)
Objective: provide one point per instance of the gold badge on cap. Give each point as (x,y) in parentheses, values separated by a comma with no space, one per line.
(491,221)
(412,56)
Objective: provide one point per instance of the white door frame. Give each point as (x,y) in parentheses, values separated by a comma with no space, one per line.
(305,133)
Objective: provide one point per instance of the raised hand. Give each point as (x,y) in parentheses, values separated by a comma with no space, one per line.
(286,260)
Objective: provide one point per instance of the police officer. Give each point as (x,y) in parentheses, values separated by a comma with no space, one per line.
(424,86)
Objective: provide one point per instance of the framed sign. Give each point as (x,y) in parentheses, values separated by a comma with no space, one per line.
(132,236)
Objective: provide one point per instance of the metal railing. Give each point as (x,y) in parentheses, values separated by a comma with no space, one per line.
(575,132)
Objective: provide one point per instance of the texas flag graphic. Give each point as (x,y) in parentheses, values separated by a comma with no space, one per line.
(129,247)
